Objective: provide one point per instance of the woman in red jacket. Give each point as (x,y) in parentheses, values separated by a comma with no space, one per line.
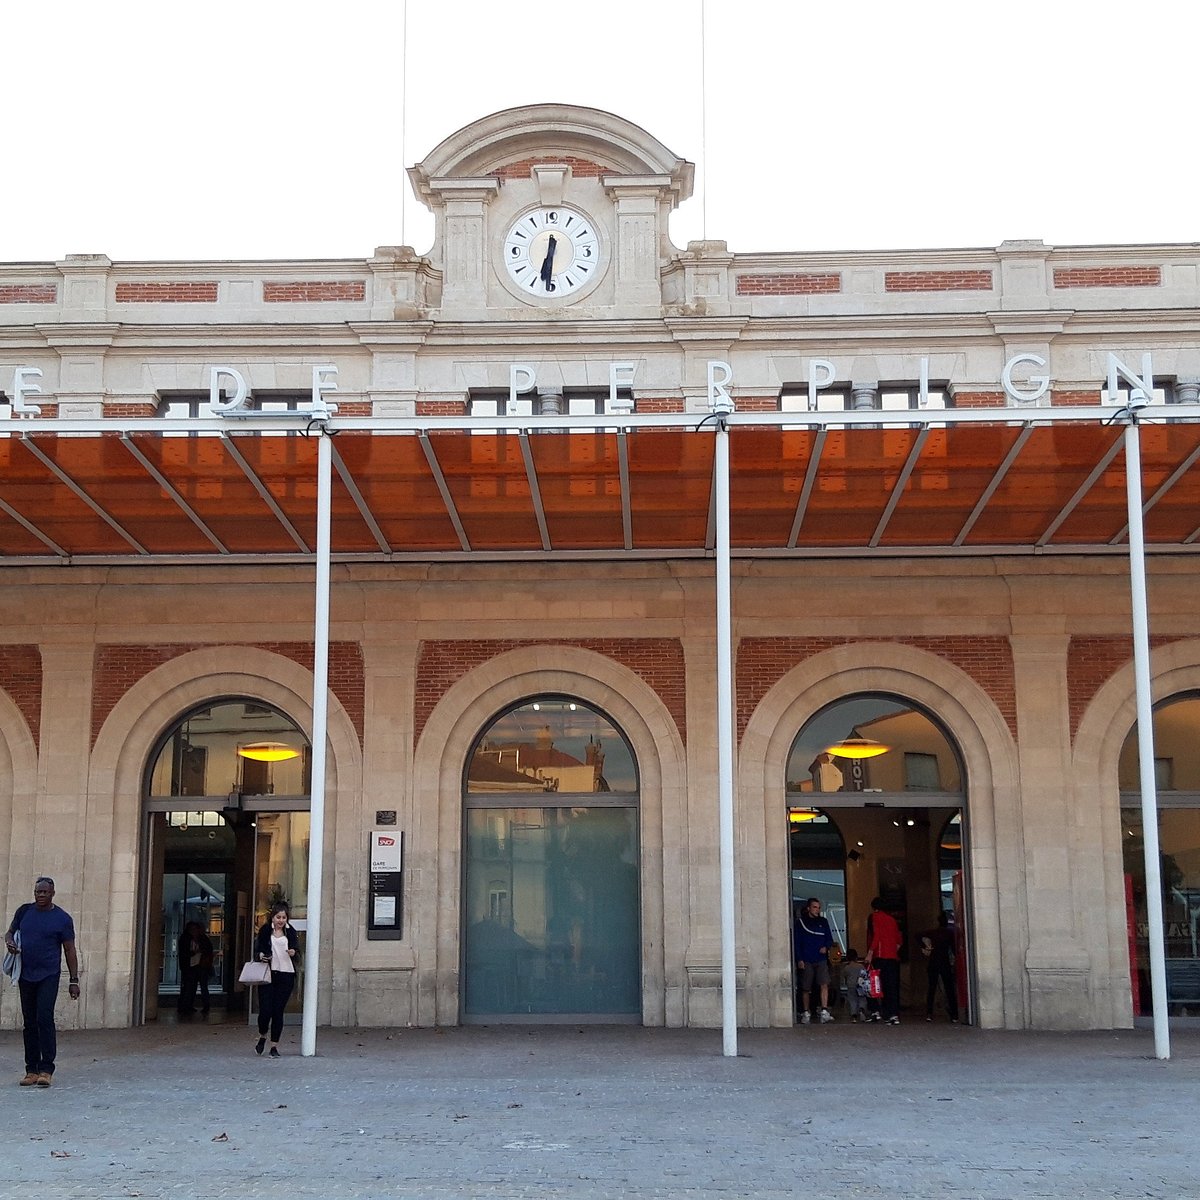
(885,955)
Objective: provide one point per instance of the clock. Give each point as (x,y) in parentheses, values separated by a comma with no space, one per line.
(552,253)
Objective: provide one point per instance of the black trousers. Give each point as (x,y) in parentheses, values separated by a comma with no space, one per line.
(37,1012)
(943,973)
(189,980)
(889,977)
(272,1000)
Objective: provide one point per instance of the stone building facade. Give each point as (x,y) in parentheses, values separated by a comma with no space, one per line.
(1013,648)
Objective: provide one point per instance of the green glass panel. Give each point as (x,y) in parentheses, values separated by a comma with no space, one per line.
(552,922)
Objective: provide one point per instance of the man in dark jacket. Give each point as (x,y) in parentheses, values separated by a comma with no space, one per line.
(813,939)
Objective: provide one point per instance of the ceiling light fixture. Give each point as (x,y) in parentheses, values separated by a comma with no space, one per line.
(268,751)
(857,747)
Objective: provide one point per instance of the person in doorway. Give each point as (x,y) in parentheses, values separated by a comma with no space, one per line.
(195,956)
(278,945)
(853,973)
(884,954)
(43,934)
(938,947)
(813,939)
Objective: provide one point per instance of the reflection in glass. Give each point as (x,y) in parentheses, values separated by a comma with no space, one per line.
(1179,843)
(919,757)
(200,756)
(1176,749)
(552,745)
(551,911)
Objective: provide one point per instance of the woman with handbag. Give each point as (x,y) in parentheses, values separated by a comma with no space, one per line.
(278,946)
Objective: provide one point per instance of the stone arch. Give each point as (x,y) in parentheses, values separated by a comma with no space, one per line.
(1103,728)
(989,755)
(439,761)
(18,802)
(115,784)
(566,129)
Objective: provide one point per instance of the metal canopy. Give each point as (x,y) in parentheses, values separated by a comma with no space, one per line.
(1006,481)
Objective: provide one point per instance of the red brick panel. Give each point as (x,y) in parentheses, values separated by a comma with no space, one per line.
(659,404)
(938,281)
(747,404)
(795,284)
(1085,277)
(980,399)
(167,293)
(314,291)
(1064,399)
(1091,663)
(657,661)
(581,168)
(441,408)
(119,667)
(354,408)
(763,662)
(120,409)
(21,679)
(28,293)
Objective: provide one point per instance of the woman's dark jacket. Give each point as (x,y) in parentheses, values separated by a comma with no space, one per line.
(262,943)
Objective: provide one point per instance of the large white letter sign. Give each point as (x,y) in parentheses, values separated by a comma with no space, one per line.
(222,408)
(815,384)
(1040,382)
(1144,383)
(615,371)
(320,385)
(20,389)
(719,399)
(516,373)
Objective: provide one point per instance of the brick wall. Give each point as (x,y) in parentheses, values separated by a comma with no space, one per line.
(659,404)
(795,284)
(762,662)
(581,168)
(938,281)
(314,291)
(21,678)
(1063,399)
(28,293)
(119,667)
(657,661)
(441,408)
(979,399)
(1091,663)
(121,409)
(167,293)
(1122,277)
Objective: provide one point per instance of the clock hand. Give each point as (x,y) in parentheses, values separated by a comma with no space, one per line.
(546,275)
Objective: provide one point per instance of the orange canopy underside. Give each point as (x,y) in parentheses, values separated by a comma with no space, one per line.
(455,492)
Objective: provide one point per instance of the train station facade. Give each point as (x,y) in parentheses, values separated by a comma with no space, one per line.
(933,677)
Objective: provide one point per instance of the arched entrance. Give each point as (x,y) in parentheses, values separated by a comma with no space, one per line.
(876,802)
(551,907)
(225,835)
(1177,783)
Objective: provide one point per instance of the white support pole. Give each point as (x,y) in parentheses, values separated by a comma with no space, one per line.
(320,720)
(725,746)
(1145,728)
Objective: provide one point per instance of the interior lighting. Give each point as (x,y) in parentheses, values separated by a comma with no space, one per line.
(268,752)
(857,747)
(798,816)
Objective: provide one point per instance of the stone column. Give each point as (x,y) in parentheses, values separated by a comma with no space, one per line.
(1187,391)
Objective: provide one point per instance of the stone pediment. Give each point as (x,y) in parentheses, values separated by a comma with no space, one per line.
(508,144)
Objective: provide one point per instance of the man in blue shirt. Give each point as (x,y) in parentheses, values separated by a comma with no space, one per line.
(813,939)
(42,933)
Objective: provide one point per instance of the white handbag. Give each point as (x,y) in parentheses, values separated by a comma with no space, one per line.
(254,973)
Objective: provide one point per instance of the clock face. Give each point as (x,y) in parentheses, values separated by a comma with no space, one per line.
(551,253)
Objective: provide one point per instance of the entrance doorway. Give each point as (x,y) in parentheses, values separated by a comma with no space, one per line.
(225,837)
(876,808)
(551,912)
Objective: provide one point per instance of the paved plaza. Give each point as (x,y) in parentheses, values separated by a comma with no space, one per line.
(583,1111)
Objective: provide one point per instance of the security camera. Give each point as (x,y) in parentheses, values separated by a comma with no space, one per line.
(1138,398)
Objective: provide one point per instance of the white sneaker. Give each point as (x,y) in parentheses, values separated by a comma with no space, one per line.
(893,1020)
(805,1018)
(826,1016)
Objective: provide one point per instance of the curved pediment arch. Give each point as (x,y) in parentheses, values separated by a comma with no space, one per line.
(544,132)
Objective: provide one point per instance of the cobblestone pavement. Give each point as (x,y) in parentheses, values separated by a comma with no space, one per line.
(833,1111)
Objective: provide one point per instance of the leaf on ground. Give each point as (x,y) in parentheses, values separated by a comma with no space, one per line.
(221,1137)
(60,1154)
(514,1105)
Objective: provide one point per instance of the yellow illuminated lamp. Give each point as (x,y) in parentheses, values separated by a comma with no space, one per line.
(268,752)
(798,816)
(857,747)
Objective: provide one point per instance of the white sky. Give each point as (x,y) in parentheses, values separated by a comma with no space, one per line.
(261,129)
